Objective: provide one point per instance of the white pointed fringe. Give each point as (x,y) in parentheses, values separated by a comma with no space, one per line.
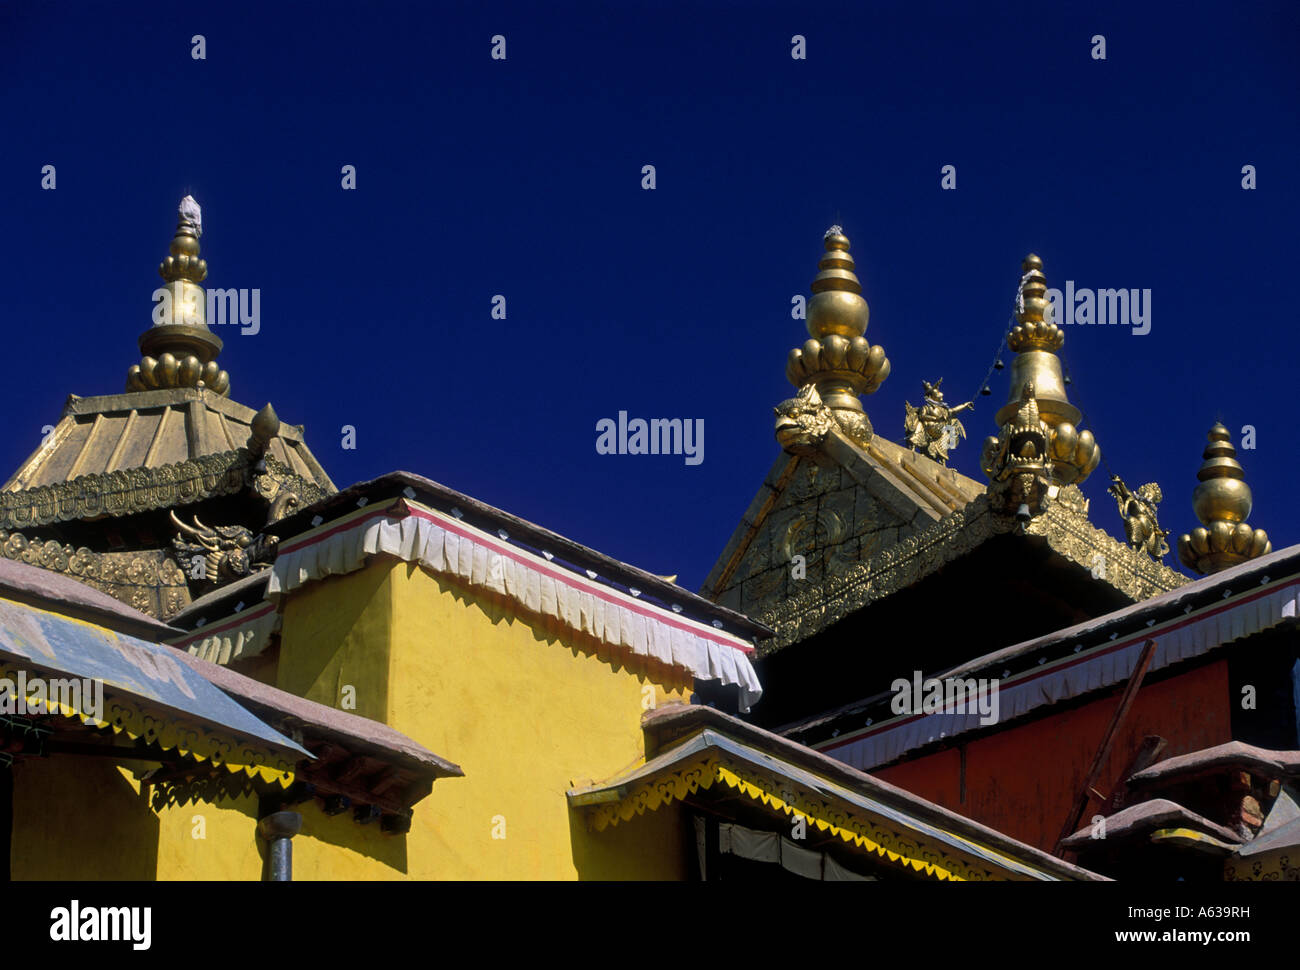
(453,548)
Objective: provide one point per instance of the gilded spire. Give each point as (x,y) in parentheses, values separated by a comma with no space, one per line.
(1034,340)
(837,359)
(1222,501)
(1033,330)
(179,350)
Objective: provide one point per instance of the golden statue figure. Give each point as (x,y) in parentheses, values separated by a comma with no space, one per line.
(934,426)
(1139,513)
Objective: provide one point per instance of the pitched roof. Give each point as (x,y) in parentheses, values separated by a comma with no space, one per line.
(124,453)
(679,731)
(1147,817)
(879,518)
(150,429)
(911,490)
(132,663)
(1234,754)
(157,698)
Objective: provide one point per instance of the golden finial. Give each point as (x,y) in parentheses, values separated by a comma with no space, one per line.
(179,350)
(263,428)
(1034,340)
(1222,501)
(837,305)
(1034,330)
(837,358)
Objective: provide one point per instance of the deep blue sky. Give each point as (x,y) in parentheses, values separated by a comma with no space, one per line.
(523,177)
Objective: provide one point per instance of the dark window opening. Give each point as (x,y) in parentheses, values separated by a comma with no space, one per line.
(6,816)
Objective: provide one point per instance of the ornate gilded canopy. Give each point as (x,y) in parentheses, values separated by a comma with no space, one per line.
(94,499)
(847,518)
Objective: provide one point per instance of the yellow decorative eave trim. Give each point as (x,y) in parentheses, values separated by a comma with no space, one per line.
(1192,839)
(170,733)
(704,772)
(607,797)
(849,832)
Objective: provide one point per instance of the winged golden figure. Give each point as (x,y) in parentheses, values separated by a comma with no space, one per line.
(933,427)
(1138,510)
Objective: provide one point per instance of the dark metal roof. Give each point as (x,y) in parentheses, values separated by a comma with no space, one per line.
(1198,593)
(221,601)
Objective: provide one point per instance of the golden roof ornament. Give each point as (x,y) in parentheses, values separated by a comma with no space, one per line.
(837,360)
(1034,340)
(934,426)
(1017,461)
(1138,510)
(179,350)
(262,430)
(803,422)
(1222,501)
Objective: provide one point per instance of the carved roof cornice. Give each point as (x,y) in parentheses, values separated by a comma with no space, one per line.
(127,491)
(1132,572)
(134,490)
(1068,533)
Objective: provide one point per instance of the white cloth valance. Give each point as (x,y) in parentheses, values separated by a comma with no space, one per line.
(447,546)
(244,635)
(1100,667)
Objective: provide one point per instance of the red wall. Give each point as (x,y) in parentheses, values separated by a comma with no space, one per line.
(1024,780)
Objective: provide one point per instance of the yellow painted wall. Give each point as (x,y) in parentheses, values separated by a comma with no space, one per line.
(228,849)
(527,712)
(655,845)
(528,709)
(78,818)
(335,847)
(337,633)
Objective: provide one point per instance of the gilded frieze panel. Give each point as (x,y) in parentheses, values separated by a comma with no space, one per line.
(147,580)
